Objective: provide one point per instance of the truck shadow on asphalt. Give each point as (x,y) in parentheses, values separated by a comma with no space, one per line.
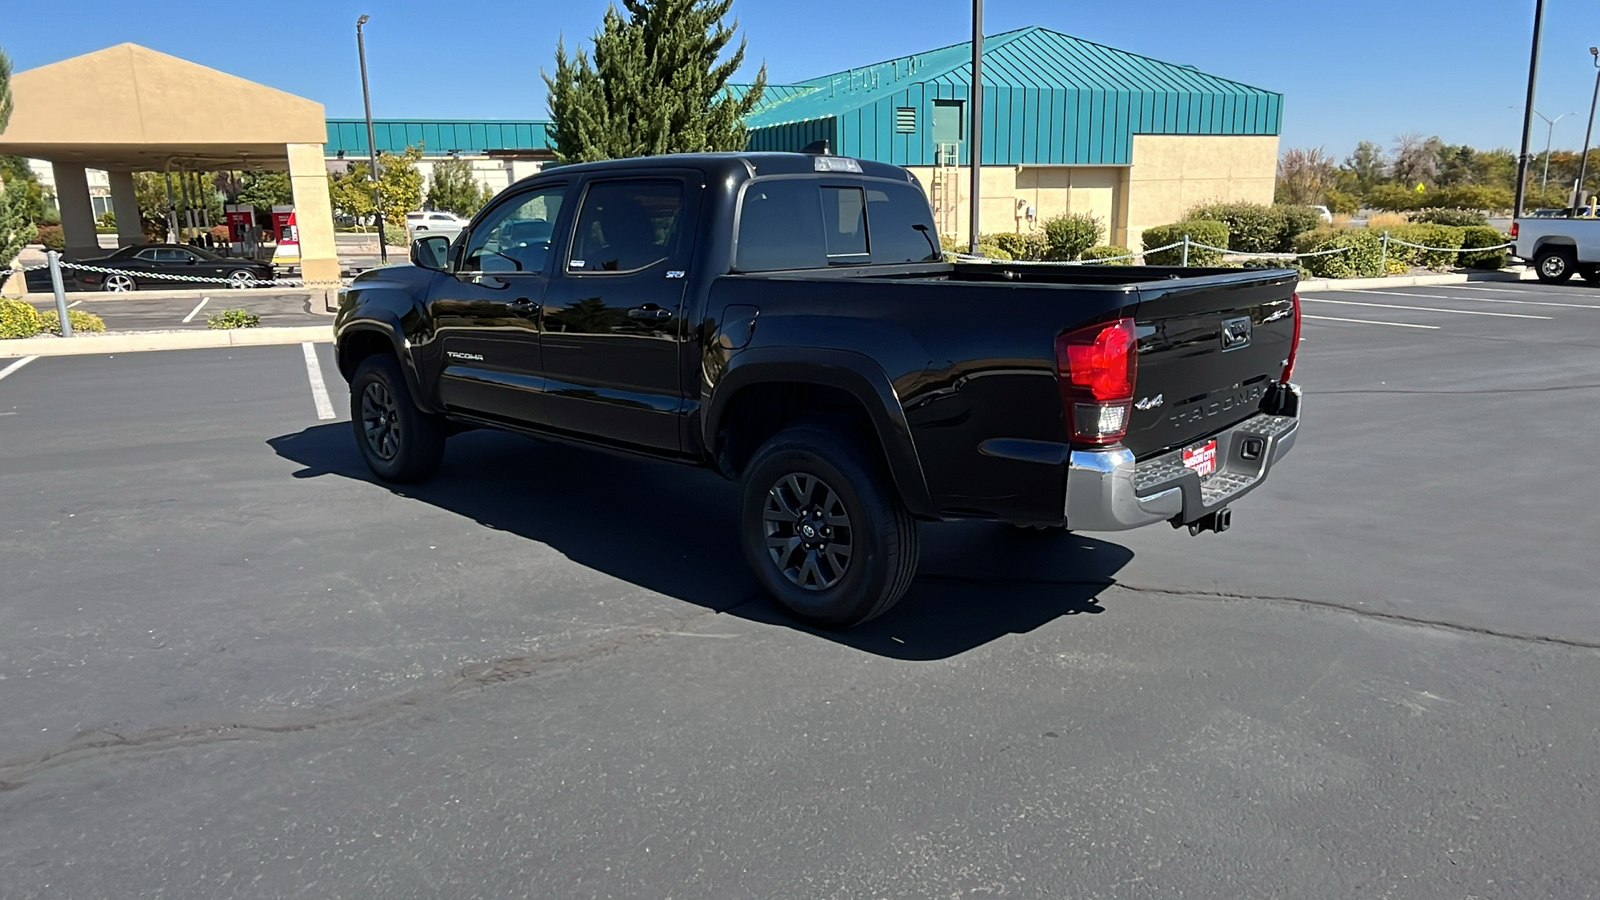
(671,529)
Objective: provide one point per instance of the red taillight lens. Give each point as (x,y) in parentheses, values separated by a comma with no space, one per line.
(1514,229)
(1294,348)
(1096,368)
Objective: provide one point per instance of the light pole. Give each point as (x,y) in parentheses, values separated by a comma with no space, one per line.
(975,124)
(1527,115)
(1544,183)
(1583,161)
(372,147)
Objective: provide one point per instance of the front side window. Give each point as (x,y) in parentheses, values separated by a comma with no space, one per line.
(515,237)
(625,226)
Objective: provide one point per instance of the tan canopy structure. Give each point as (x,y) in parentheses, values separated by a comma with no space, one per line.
(129,109)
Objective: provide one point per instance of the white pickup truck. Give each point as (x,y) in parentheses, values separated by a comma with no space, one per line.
(1558,248)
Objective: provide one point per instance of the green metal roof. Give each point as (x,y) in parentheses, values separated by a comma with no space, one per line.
(1049,98)
(439,137)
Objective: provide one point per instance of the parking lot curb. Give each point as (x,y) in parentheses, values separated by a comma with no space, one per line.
(1367,284)
(139,341)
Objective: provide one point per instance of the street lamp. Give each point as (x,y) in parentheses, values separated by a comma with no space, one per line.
(1583,161)
(1544,183)
(372,147)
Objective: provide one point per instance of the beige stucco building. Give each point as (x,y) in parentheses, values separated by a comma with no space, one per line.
(130,109)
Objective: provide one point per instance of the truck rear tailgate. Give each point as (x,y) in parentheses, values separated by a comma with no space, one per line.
(1208,354)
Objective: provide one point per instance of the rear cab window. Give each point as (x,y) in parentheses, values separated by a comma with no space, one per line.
(814,223)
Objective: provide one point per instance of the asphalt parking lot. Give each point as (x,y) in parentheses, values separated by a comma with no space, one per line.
(165,312)
(232,664)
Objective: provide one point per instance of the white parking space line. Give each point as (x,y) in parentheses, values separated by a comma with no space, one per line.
(1367,322)
(1432,309)
(73,303)
(197,307)
(16,365)
(1545,289)
(1480,299)
(319,389)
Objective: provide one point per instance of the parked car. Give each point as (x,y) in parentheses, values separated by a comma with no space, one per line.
(1558,248)
(787,320)
(446,223)
(167,265)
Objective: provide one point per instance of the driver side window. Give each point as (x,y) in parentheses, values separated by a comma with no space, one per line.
(515,237)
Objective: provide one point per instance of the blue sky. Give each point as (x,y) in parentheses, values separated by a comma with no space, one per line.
(1351,70)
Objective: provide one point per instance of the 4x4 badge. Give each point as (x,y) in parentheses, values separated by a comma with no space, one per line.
(1149,402)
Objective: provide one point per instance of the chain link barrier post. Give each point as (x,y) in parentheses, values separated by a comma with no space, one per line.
(1186,251)
(1383,256)
(54,259)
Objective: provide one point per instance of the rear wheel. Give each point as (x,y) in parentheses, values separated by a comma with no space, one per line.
(241,278)
(118,283)
(1555,265)
(400,442)
(822,532)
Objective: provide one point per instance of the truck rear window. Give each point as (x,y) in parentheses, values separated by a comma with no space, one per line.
(804,223)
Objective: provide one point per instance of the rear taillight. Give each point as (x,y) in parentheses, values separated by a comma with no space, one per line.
(1294,348)
(1515,227)
(1096,368)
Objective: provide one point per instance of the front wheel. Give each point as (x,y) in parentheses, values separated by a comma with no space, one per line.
(1555,265)
(118,283)
(241,278)
(823,532)
(400,442)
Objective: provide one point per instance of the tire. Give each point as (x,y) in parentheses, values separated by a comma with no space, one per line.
(118,283)
(241,278)
(809,477)
(1555,265)
(400,442)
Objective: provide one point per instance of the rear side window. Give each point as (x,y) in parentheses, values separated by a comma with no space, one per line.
(625,226)
(780,227)
(802,223)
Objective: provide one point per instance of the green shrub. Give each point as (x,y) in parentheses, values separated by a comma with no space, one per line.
(1067,236)
(108,219)
(1199,232)
(1361,259)
(233,318)
(52,237)
(1252,227)
(1482,236)
(18,319)
(1441,236)
(1109,251)
(1460,218)
(1296,220)
(50,321)
(1018,246)
(1476,197)
(1397,198)
(987,246)
(1343,203)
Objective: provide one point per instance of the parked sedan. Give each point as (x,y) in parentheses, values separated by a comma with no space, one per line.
(167,265)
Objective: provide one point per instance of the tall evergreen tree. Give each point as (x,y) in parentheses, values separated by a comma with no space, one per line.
(654,84)
(16,203)
(5,90)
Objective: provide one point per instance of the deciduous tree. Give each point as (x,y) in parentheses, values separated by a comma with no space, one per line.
(1305,174)
(452,187)
(655,84)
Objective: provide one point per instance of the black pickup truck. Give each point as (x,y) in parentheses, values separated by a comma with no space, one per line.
(789,320)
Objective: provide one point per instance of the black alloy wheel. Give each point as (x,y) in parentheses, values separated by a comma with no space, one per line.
(399,442)
(808,531)
(823,529)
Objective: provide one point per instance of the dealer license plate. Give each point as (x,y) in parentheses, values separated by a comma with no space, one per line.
(1202,459)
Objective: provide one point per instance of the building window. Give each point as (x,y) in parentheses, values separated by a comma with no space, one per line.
(905,120)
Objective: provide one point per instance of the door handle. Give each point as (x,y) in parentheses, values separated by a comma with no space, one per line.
(650,312)
(522,306)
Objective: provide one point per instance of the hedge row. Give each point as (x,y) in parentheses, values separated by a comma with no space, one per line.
(1199,231)
(1258,228)
(1365,253)
(19,319)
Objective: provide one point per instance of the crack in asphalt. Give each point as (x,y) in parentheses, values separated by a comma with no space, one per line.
(1402,618)
(102,742)
(1533,390)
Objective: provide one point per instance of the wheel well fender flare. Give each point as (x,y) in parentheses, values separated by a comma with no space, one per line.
(854,373)
(358,333)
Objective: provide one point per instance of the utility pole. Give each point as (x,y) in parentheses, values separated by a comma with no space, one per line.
(372,147)
(1583,161)
(975,123)
(1527,115)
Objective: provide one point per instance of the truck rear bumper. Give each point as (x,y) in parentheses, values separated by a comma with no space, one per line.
(1107,490)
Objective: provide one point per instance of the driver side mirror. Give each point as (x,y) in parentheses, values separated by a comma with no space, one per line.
(431,252)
